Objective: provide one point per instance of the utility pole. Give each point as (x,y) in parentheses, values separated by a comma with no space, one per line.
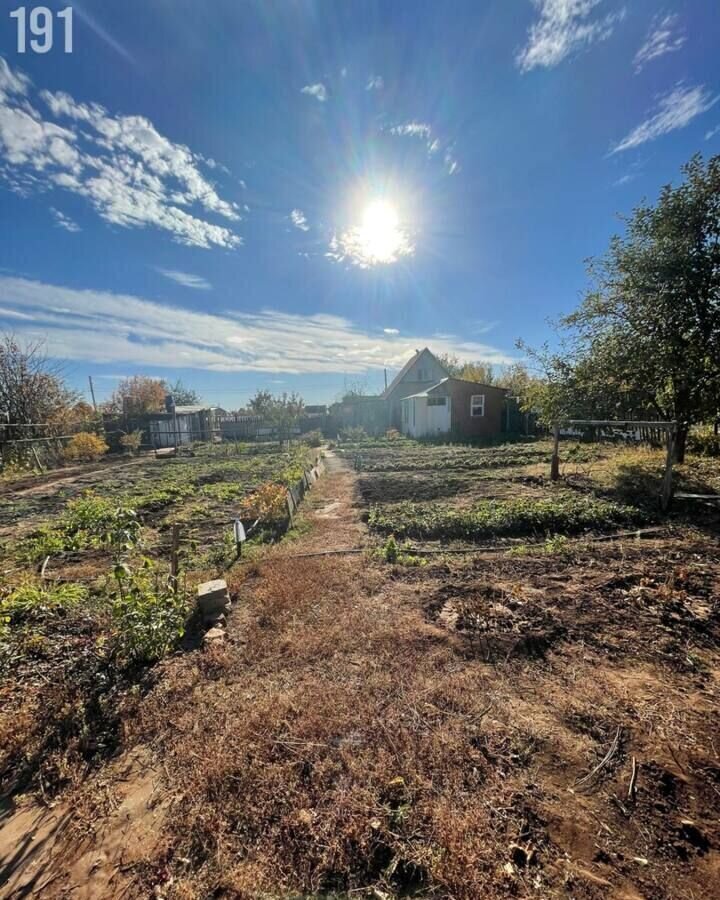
(92,392)
(385,371)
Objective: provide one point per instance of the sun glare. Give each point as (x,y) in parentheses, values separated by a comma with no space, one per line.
(378,240)
(379,232)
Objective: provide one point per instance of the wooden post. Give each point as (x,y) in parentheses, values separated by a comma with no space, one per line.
(555,462)
(667,485)
(174,558)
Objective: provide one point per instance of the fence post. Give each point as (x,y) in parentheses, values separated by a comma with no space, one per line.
(555,461)
(667,485)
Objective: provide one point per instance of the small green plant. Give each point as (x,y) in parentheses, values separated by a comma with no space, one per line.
(148,616)
(89,521)
(390,549)
(31,599)
(396,554)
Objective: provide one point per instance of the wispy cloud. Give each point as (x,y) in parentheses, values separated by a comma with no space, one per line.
(186,279)
(674,110)
(318,91)
(391,331)
(712,132)
(375,83)
(63,221)
(131,174)
(564,27)
(297,217)
(424,132)
(105,327)
(664,36)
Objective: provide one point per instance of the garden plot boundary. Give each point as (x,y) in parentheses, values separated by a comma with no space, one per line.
(294,496)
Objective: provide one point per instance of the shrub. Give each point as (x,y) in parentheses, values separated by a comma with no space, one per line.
(313,438)
(132,441)
(268,503)
(704,441)
(353,434)
(149,618)
(85,447)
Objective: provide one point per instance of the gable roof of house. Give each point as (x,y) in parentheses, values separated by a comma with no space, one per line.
(406,368)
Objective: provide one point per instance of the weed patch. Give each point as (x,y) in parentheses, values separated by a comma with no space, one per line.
(565,513)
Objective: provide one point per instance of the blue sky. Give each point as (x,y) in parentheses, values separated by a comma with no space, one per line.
(294,195)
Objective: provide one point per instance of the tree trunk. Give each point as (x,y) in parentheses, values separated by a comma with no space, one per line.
(680,442)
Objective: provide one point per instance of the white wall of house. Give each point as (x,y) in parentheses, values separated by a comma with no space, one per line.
(421,419)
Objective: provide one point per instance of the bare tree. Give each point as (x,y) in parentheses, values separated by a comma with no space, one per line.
(32,390)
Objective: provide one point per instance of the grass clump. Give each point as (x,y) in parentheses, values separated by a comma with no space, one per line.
(30,600)
(565,513)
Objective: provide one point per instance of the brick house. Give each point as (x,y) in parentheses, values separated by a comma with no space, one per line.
(424,401)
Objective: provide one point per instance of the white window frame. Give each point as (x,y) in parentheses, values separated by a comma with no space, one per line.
(474,414)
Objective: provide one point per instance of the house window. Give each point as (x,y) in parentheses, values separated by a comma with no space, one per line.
(477,405)
(436,401)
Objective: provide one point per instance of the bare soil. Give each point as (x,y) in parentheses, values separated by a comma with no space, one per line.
(543,725)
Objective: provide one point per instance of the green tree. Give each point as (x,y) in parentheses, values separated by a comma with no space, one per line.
(646,337)
(283,411)
(476,370)
(182,395)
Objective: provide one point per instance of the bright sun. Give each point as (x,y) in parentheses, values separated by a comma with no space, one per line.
(379,233)
(379,239)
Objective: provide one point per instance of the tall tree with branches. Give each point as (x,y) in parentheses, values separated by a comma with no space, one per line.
(646,337)
(33,392)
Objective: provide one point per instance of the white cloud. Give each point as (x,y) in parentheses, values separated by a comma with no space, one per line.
(318,91)
(712,132)
(63,221)
(564,27)
(391,331)
(433,145)
(663,37)
(186,279)
(674,110)
(413,129)
(131,174)
(375,83)
(297,217)
(104,327)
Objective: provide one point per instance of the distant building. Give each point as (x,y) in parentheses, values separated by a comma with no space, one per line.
(184,425)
